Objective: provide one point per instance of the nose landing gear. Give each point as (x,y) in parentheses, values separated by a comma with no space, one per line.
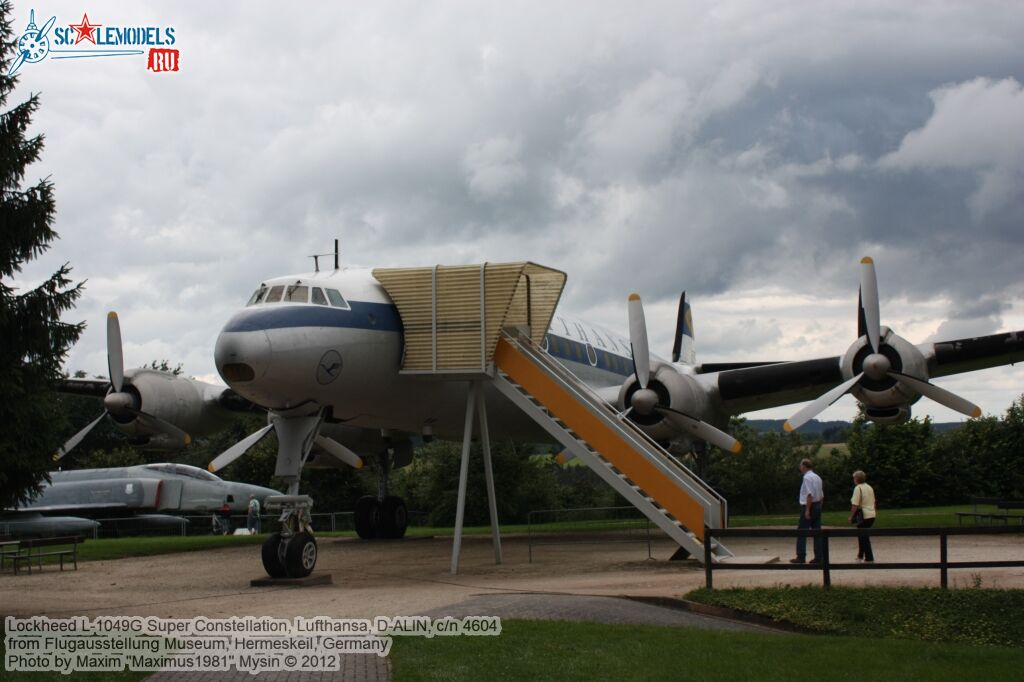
(292,552)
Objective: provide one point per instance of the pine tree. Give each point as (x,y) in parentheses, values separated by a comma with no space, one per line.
(33,340)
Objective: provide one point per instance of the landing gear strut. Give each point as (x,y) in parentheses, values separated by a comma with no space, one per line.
(384,516)
(292,552)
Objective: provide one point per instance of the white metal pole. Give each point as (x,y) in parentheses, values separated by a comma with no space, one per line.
(460,509)
(492,501)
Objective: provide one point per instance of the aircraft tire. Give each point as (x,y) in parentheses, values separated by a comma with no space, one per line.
(394,517)
(367,517)
(300,555)
(273,562)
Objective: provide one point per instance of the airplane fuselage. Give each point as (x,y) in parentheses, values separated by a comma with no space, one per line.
(344,352)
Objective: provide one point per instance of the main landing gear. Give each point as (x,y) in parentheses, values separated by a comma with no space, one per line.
(292,552)
(384,516)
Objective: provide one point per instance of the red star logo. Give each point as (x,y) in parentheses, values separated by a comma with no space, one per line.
(85,30)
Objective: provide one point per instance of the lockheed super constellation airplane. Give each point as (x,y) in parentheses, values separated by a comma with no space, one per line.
(350,361)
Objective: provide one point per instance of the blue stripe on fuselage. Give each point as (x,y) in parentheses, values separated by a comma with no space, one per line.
(371,316)
(569,351)
(384,317)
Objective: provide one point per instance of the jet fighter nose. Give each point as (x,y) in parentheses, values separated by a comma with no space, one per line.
(242,356)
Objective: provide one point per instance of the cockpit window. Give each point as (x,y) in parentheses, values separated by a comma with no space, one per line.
(257,296)
(318,296)
(274,296)
(336,298)
(296,294)
(184,470)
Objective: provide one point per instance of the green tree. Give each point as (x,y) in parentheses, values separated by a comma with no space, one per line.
(35,341)
(898,461)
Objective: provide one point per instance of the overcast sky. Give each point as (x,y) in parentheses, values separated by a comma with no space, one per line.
(747,152)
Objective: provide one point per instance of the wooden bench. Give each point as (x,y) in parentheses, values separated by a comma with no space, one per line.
(1001,513)
(35,550)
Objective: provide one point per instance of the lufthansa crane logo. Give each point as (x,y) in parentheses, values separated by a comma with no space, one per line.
(329,367)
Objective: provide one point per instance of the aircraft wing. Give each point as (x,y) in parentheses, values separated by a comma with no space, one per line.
(774,385)
(966,355)
(759,387)
(74,507)
(92,388)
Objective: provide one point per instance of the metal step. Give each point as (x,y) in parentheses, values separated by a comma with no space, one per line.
(688,484)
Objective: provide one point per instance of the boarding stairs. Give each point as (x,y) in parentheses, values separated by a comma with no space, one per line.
(484,324)
(647,475)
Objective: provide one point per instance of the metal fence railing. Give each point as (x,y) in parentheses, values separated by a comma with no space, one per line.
(826,565)
(592,525)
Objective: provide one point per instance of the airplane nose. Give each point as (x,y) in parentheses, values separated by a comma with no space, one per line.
(242,356)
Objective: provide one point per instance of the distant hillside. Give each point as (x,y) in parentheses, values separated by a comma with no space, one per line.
(829,428)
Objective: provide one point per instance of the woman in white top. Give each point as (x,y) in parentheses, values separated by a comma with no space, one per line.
(862,512)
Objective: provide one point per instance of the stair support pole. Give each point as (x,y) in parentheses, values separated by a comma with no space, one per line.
(460,509)
(492,501)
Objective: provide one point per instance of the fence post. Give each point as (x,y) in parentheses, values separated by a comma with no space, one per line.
(943,559)
(707,557)
(529,535)
(826,573)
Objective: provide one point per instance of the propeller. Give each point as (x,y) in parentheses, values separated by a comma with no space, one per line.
(328,445)
(645,400)
(121,403)
(238,449)
(877,366)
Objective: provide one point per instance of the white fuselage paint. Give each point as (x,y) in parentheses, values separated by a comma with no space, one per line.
(369,391)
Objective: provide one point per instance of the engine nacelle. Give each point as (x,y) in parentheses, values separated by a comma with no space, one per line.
(885,400)
(676,390)
(189,404)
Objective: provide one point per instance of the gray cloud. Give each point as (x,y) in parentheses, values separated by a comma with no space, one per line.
(654,147)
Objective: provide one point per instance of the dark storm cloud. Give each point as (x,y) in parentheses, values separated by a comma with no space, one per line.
(650,147)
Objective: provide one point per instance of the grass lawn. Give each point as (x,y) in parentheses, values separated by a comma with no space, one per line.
(916,517)
(968,616)
(589,651)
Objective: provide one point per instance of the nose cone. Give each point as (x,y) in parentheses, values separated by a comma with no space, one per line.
(242,356)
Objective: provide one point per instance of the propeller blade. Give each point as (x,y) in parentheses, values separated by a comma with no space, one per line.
(703,430)
(638,340)
(115,358)
(238,449)
(77,438)
(339,451)
(46,28)
(151,423)
(18,62)
(939,395)
(812,409)
(564,457)
(869,300)
(677,344)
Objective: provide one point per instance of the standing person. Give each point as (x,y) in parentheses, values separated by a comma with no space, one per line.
(862,513)
(253,521)
(224,516)
(811,496)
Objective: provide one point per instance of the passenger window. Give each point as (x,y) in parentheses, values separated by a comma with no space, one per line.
(297,294)
(275,294)
(318,296)
(336,299)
